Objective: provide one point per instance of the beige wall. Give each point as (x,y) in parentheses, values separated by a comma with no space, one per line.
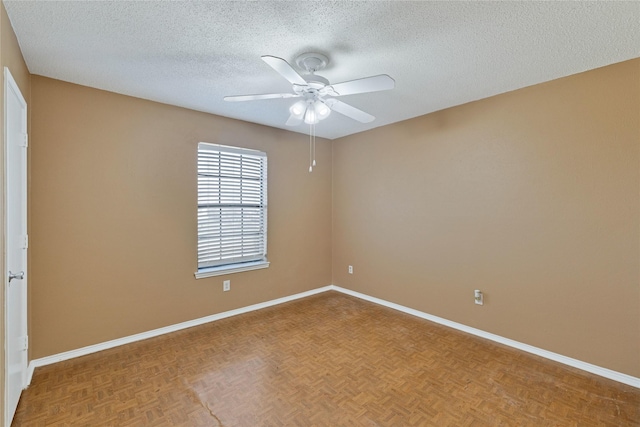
(10,57)
(531,196)
(113,225)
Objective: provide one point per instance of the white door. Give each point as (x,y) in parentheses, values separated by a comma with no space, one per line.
(15,187)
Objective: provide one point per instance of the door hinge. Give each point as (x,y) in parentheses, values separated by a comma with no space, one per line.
(25,243)
(24,342)
(25,141)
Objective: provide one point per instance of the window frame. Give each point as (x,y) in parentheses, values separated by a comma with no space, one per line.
(234,266)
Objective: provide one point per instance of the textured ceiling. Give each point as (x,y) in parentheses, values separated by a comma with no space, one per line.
(441,54)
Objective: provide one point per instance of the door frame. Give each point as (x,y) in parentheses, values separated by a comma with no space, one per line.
(10,84)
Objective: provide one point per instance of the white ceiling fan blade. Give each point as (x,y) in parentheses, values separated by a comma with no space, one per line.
(263,96)
(367,84)
(285,70)
(349,111)
(294,120)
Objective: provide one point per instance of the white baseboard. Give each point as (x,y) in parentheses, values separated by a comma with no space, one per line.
(594,369)
(48,360)
(588,367)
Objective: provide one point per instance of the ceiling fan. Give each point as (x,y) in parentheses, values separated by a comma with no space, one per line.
(318,95)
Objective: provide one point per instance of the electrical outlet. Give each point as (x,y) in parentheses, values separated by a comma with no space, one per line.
(351,269)
(226,285)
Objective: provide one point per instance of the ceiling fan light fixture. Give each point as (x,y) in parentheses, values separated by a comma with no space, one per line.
(298,109)
(321,109)
(310,116)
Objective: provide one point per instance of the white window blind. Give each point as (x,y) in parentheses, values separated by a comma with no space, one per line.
(232,205)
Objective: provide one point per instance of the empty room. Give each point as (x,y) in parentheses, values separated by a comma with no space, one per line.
(315,213)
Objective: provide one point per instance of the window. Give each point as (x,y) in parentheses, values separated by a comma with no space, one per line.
(232,210)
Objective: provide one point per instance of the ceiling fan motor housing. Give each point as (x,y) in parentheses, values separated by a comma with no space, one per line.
(316,81)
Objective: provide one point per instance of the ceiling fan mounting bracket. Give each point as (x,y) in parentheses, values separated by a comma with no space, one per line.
(312,62)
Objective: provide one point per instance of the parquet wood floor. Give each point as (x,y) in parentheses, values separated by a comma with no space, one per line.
(326,360)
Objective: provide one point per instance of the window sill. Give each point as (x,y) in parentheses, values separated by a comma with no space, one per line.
(228,269)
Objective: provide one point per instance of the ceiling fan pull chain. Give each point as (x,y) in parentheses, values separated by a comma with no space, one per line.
(314,145)
(310,151)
